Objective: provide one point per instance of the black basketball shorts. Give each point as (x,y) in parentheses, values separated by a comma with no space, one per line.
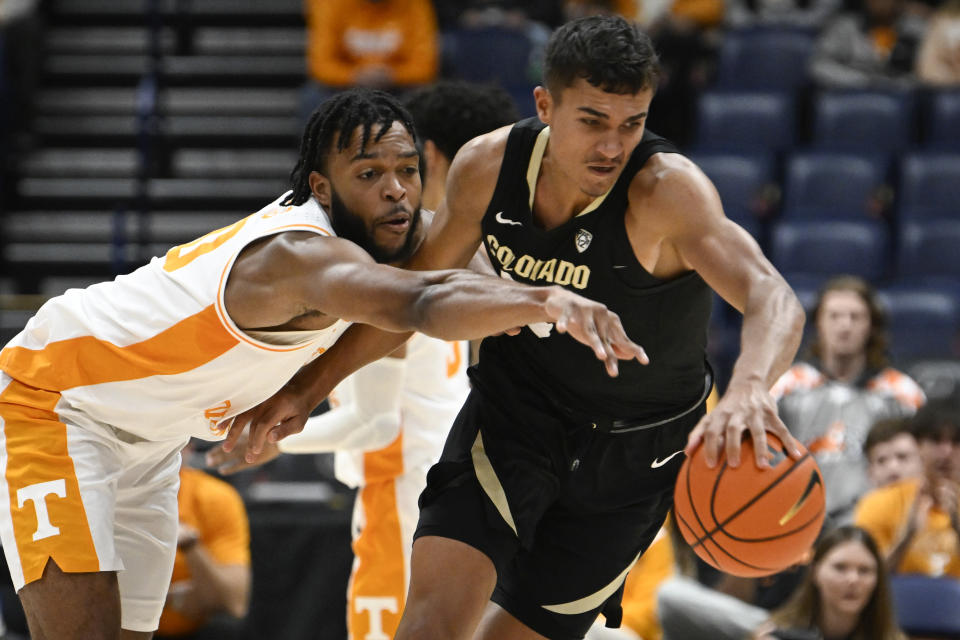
(562,508)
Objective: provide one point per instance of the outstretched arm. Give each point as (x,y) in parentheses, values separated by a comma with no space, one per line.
(730,262)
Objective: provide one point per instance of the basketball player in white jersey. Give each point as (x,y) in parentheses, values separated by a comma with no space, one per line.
(391,418)
(105,385)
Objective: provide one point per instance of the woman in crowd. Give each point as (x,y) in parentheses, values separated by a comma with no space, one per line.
(845,595)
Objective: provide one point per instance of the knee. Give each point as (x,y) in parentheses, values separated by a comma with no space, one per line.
(422,624)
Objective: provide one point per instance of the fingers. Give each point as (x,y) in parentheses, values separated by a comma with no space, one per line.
(733,435)
(258,432)
(287,428)
(776,426)
(758,434)
(234,428)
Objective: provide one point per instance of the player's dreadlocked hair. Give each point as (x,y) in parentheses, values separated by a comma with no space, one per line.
(339,117)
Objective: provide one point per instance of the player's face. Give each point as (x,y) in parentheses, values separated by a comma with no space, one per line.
(846,577)
(592,132)
(374,197)
(895,460)
(843,324)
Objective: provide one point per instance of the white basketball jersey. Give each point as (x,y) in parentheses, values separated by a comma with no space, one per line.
(435,387)
(154,353)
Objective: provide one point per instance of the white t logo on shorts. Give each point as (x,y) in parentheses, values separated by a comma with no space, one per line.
(376,606)
(38,494)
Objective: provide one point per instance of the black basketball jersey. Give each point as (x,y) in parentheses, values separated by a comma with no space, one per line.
(591,255)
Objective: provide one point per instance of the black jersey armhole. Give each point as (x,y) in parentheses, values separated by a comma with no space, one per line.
(516,157)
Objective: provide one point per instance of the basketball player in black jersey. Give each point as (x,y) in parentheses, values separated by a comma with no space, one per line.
(556,476)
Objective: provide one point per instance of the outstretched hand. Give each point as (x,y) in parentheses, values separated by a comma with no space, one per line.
(594,325)
(230,462)
(277,417)
(744,407)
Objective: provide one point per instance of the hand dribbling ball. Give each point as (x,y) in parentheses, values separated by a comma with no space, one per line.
(748,521)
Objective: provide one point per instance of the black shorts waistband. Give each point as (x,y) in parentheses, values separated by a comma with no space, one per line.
(628,425)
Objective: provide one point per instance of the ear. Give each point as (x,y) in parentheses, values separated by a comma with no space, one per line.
(320,187)
(544,101)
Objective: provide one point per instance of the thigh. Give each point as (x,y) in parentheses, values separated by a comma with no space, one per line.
(72,606)
(450,585)
(146,524)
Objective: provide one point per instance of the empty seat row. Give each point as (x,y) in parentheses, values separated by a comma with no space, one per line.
(835,185)
(874,121)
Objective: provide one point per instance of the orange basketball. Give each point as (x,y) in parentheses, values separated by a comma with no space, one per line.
(748,521)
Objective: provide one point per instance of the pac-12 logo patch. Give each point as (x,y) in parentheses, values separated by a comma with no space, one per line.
(583,240)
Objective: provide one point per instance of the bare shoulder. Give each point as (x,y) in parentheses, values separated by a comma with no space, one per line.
(269,280)
(475,169)
(672,192)
(267,257)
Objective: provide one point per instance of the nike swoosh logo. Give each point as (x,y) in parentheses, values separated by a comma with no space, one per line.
(499,218)
(656,464)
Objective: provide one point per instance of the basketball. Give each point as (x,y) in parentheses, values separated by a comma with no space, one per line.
(748,521)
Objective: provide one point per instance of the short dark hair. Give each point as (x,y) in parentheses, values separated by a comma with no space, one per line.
(886,430)
(938,419)
(611,53)
(338,118)
(451,113)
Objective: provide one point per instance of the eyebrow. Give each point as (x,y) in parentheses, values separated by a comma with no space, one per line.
(600,114)
(363,155)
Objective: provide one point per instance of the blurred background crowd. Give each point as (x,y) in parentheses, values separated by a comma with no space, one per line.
(831,129)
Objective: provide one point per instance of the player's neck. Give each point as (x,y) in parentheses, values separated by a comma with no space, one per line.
(846,368)
(557,197)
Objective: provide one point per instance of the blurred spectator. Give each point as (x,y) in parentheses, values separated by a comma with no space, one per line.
(892,452)
(846,594)
(476,14)
(939,60)
(210,587)
(574,9)
(687,36)
(875,47)
(916,522)
(447,115)
(830,401)
(792,13)
(382,44)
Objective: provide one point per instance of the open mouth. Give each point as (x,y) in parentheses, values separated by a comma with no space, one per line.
(396,222)
(602,169)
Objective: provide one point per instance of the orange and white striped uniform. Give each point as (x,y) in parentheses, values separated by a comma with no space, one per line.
(386,452)
(104,386)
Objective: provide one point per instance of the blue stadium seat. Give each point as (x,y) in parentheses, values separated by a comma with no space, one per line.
(828,185)
(744,182)
(772,59)
(929,250)
(944,120)
(493,54)
(745,121)
(930,186)
(864,121)
(924,322)
(810,248)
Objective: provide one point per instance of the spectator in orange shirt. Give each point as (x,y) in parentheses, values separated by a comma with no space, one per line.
(381,44)
(210,587)
(917,522)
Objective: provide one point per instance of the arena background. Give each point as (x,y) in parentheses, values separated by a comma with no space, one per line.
(131,126)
